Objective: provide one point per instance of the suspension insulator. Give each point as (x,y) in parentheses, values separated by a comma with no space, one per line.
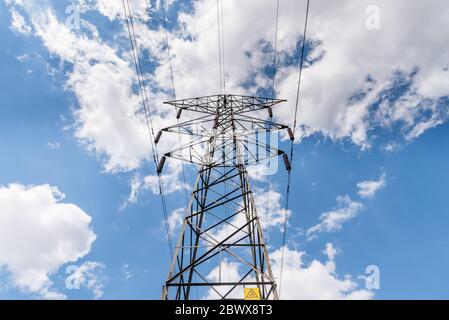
(290,134)
(160,165)
(287,162)
(178,115)
(158,137)
(270,112)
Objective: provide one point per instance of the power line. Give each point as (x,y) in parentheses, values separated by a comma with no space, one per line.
(287,196)
(149,120)
(167,44)
(300,70)
(220,62)
(184,180)
(273,95)
(273,91)
(168,48)
(223,48)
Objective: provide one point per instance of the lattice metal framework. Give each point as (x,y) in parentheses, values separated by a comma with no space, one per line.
(221,246)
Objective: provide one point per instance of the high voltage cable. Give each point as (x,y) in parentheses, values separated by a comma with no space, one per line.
(219,48)
(300,70)
(173,92)
(149,120)
(284,236)
(168,48)
(139,71)
(273,95)
(174,98)
(223,47)
(273,91)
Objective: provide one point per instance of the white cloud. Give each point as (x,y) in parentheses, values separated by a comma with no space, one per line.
(391,146)
(351,53)
(347,209)
(270,207)
(225,272)
(90,275)
(170,179)
(23,57)
(300,280)
(259,172)
(127,272)
(135,184)
(109,120)
(110,123)
(333,220)
(176,218)
(171,183)
(18,23)
(114,9)
(54,145)
(330,251)
(368,188)
(314,280)
(348,55)
(38,234)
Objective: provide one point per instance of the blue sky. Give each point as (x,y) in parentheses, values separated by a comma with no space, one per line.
(49,136)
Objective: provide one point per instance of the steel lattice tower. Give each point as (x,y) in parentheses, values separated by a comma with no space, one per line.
(221,231)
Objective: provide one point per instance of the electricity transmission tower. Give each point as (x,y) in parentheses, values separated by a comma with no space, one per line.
(221,248)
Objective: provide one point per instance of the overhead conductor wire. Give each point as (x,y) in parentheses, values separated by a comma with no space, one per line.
(149,120)
(167,43)
(174,95)
(284,236)
(273,95)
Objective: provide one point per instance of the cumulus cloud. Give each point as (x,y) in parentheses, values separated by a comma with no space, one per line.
(90,276)
(38,234)
(332,221)
(300,280)
(18,23)
(350,85)
(171,182)
(114,9)
(226,272)
(127,273)
(109,120)
(270,207)
(175,218)
(343,92)
(368,188)
(135,185)
(314,280)
(348,82)
(258,172)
